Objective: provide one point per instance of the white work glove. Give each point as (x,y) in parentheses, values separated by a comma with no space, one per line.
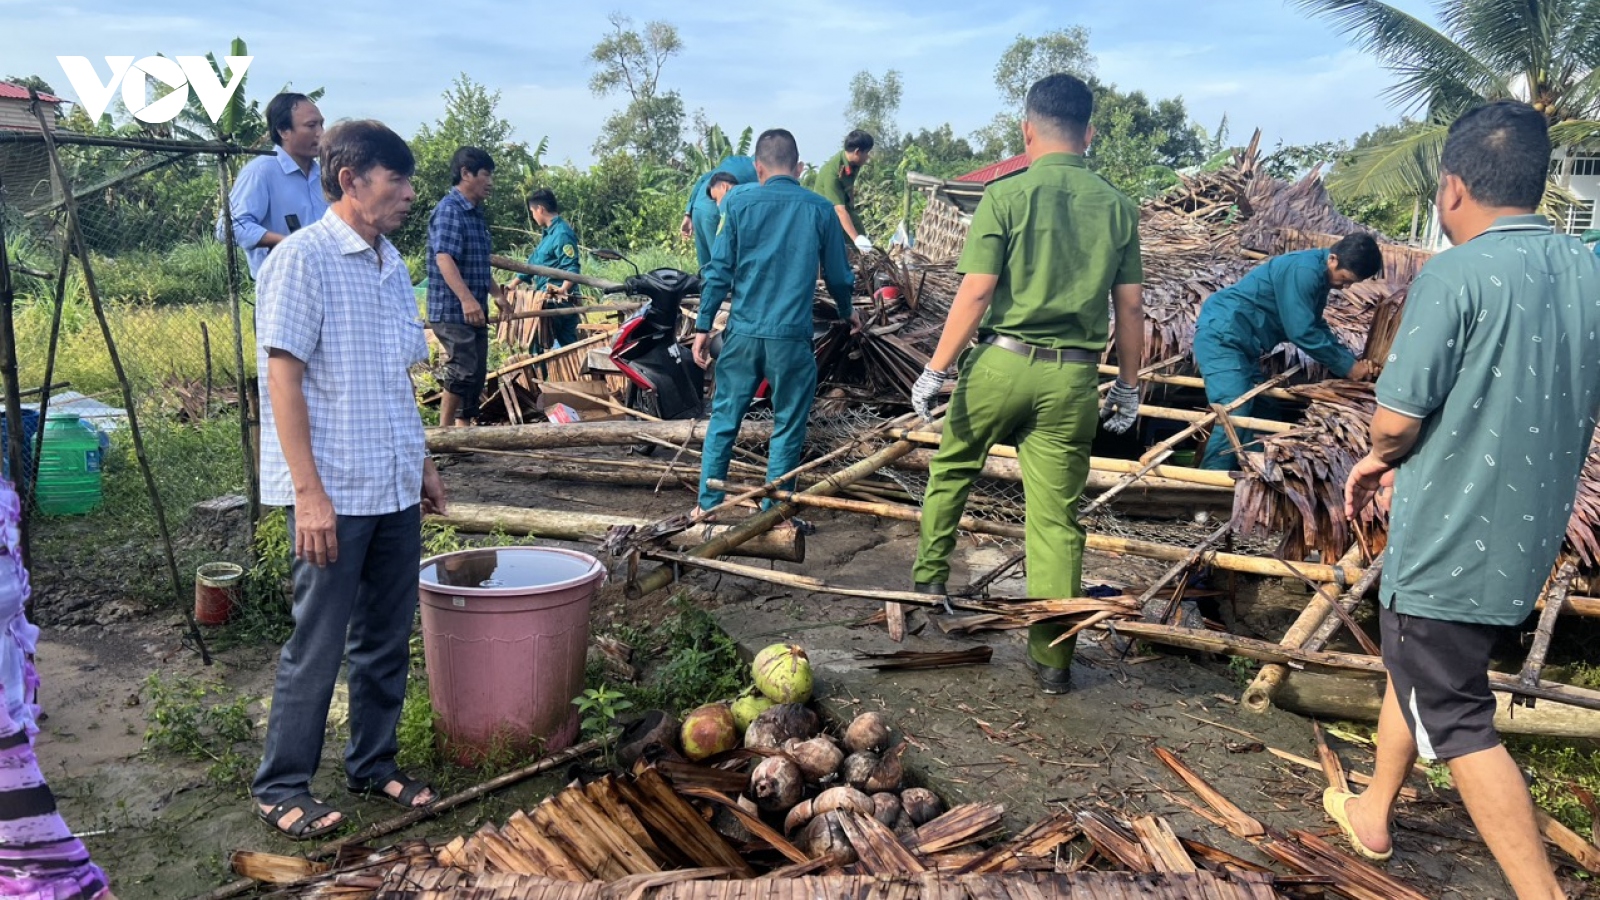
(863,243)
(1121,407)
(927,388)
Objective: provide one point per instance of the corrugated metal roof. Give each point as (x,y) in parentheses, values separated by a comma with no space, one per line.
(9,91)
(997,171)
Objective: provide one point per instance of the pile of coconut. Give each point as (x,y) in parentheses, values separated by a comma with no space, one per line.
(805,775)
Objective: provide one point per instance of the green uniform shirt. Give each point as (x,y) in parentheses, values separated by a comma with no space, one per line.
(558,250)
(774,237)
(836,181)
(1498,355)
(1059,237)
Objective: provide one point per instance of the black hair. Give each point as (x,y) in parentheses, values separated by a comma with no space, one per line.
(858,140)
(470,158)
(777,150)
(280,114)
(1062,103)
(361,146)
(1359,255)
(1501,152)
(546,198)
(720,178)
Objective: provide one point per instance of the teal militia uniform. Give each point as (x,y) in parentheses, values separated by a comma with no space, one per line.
(773,238)
(836,181)
(1497,356)
(702,211)
(1283,299)
(558,250)
(1059,237)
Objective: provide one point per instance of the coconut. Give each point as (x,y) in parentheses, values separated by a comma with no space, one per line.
(869,731)
(886,808)
(858,768)
(777,784)
(747,707)
(922,805)
(824,836)
(708,731)
(762,736)
(793,721)
(654,728)
(888,774)
(819,758)
(799,815)
(842,798)
(783,673)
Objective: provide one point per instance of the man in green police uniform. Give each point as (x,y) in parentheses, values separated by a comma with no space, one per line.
(557,250)
(1045,249)
(836,181)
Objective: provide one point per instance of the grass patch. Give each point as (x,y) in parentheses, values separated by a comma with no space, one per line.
(202,722)
(695,662)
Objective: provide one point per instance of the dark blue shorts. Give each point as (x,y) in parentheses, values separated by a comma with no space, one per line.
(1440,672)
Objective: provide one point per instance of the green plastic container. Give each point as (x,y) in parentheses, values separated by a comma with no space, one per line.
(69,467)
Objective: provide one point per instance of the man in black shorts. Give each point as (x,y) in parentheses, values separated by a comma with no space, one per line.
(460,285)
(1486,409)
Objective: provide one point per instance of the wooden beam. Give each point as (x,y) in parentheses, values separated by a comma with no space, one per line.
(548,436)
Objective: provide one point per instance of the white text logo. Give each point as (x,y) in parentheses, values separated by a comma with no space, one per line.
(178,75)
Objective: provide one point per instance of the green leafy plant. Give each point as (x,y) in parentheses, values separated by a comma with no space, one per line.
(191,719)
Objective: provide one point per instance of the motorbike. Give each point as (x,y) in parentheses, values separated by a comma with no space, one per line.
(663,379)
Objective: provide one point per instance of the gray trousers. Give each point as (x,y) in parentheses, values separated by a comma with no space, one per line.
(361,607)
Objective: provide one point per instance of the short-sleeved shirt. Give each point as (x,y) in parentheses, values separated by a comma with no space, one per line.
(558,249)
(268,191)
(459,229)
(324,299)
(1060,237)
(774,237)
(1498,354)
(1283,299)
(836,181)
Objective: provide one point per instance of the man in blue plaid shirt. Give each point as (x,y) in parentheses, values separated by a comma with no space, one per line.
(460,284)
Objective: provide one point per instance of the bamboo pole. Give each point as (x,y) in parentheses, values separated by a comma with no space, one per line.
(252,478)
(1191,381)
(422,814)
(1343,698)
(765,521)
(1161,490)
(786,546)
(16,441)
(1258,696)
(579,434)
(1267,426)
(1268,652)
(522,268)
(1233,562)
(579,310)
(1187,474)
(75,238)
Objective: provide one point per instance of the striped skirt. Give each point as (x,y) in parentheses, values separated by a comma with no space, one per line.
(40,859)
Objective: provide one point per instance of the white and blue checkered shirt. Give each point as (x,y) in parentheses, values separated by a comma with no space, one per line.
(323,298)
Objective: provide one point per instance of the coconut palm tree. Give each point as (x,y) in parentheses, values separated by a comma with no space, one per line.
(1545,52)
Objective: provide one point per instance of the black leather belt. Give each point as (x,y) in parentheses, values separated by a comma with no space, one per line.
(1044,354)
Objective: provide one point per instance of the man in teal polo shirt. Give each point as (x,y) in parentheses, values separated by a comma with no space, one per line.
(836,181)
(1045,249)
(774,237)
(558,249)
(702,215)
(1281,300)
(1486,409)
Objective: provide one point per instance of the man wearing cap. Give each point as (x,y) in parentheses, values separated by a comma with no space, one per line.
(1045,250)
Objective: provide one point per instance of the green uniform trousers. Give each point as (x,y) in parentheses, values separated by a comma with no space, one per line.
(790,368)
(1047,410)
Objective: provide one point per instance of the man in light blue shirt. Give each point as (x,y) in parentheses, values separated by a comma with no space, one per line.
(278,194)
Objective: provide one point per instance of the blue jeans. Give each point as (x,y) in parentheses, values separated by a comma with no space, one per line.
(1229,374)
(361,606)
(790,367)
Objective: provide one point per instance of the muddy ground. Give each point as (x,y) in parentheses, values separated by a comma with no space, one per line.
(164,830)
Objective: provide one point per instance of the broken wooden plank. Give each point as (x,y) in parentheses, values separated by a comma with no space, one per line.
(877,849)
(1161,846)
(1332,769)
(1114,841)
(1240,823)
(671,818)
(958,827)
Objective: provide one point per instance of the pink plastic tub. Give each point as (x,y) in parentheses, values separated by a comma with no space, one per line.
(505,632)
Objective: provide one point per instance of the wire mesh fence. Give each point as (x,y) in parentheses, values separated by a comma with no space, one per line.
(126,326)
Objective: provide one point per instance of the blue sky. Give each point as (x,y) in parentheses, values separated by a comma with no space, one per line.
(1259,61)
